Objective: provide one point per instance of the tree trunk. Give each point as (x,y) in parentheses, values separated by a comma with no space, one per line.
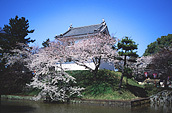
(165,83)
(125,61)
(95,72)
(120,84)
(0,101)
(97,64)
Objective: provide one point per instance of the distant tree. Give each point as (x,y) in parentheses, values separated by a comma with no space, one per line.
(156,46)
(46,43)
(140,65)
(163,61)
(126,49)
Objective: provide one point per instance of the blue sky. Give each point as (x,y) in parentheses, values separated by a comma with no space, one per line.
(142,20)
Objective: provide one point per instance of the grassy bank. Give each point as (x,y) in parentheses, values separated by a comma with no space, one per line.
(17,97)
(105,85)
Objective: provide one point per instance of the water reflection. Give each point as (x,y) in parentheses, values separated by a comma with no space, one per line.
(164,107)
(16,109)
(23,106)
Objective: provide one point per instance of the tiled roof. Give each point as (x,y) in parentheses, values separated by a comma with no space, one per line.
(83,30)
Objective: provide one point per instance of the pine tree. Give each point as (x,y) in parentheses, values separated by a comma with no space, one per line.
(126,49)
(13,34)
(17,30)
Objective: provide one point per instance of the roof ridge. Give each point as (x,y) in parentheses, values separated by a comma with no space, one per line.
(84,26)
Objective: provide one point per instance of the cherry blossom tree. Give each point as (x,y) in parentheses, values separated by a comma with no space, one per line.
(46,63)
(162,61)
(50,78)
(137,67)
(140,65)
(91,49)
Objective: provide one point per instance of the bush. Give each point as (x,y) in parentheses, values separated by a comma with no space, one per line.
(151,89)
(128,72)
(105,80)
(83,77)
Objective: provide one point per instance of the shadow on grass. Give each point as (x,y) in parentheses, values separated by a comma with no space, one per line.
(137,91)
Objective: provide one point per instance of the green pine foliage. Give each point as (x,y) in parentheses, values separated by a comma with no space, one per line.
(17,30)
(126,49)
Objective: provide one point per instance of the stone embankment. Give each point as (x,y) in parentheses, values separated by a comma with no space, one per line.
(162,98)
(116,103)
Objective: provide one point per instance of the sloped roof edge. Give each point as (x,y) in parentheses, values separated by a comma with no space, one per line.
(84,30)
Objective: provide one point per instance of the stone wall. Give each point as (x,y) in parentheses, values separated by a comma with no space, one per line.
(162,98)
(116,103)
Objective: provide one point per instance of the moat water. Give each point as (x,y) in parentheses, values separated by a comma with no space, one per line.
(24,106)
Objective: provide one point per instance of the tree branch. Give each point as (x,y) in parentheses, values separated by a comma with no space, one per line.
(81,64)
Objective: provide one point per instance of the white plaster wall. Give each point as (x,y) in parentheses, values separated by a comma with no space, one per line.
(73,66)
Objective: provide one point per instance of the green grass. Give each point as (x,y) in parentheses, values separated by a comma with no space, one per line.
(105,86)
(112,95)
(16,97)
(132,82)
